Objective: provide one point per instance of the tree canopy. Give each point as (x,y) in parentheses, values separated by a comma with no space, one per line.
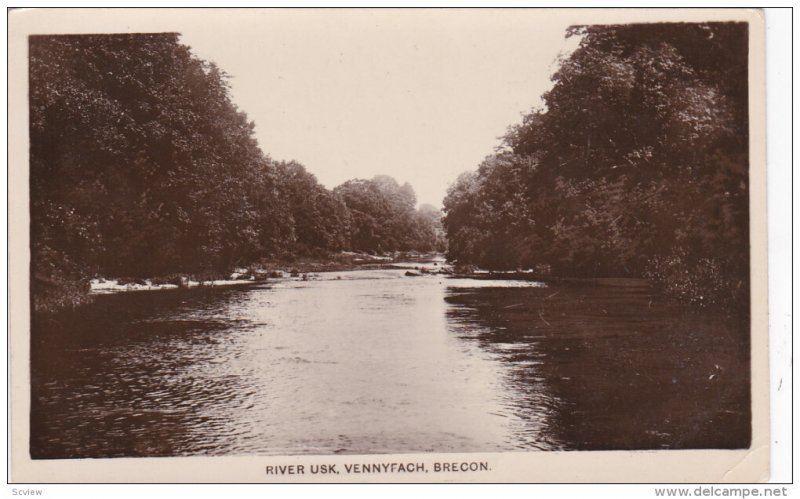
(140,165)
(384,217)
(637,165)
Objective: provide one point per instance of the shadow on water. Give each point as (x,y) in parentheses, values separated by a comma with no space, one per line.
(124,376)
(374,362)
(618,367)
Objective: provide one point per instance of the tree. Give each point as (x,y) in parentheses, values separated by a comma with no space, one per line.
(430,228)
(140,164)
(384,218)
(637,166)
(321,218)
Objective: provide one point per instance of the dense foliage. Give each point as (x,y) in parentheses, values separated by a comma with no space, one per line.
(637,165)
(384,218)
(140,166)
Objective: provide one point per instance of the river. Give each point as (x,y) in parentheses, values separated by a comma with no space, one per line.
(374,361)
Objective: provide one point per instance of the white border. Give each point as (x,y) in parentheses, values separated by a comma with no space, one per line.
(779,160)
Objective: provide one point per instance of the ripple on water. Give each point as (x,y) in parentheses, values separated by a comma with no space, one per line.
(376,362)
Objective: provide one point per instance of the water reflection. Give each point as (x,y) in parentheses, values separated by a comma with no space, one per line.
(609,366)
(130,375)
(376,362)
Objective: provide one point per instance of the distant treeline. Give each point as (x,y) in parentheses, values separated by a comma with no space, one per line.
(636,165)
(141,166)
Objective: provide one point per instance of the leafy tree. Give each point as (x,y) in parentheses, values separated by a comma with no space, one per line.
(637,165)
(488,218)
(384,218)
(430,227)
(140,164)
(321,218)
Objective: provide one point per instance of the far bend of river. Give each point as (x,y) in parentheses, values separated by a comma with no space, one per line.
(372,361)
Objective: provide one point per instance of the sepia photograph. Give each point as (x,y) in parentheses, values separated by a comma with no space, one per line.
(408,244)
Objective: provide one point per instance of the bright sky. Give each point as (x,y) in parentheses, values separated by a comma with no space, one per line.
(418,95)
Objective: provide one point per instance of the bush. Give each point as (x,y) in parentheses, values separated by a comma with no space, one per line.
(57,282)
(699,281)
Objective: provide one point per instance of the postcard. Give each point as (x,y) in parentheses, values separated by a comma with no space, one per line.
(387,245)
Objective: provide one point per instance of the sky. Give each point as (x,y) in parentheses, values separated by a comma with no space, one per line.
(419,95)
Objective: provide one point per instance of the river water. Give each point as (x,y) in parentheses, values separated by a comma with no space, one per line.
(374,361)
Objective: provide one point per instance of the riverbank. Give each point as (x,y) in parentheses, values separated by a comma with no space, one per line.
(276,270)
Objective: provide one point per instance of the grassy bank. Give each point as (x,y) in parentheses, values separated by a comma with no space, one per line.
(51,294)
